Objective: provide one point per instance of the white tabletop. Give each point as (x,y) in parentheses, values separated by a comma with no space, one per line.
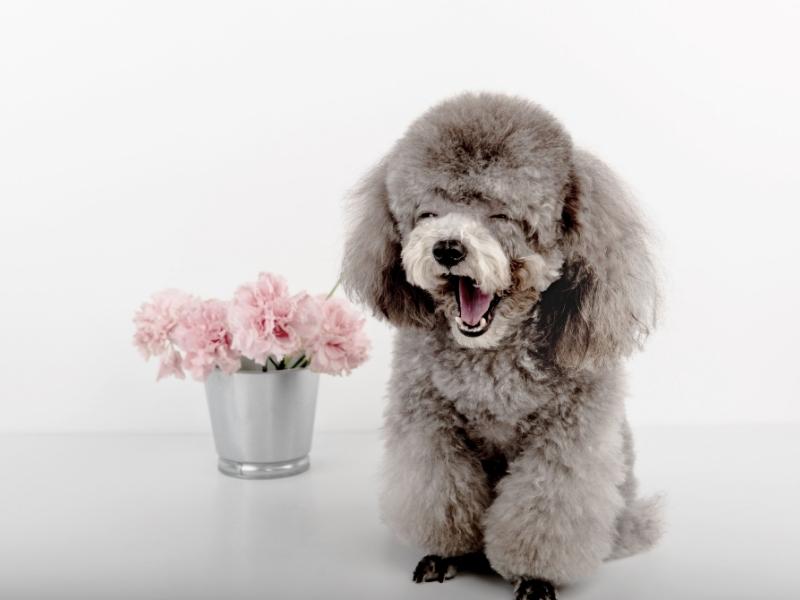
(148,516)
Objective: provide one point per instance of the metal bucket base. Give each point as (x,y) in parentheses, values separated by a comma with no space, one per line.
(245,470)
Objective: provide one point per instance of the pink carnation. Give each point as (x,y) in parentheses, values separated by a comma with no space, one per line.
(155,323)
(156,320)
(203,334)
(307,315)
(170,364)
(262,319)
(340,344)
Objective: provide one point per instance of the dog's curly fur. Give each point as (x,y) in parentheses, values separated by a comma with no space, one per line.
(514,442)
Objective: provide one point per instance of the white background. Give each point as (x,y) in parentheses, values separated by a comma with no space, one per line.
(192,145)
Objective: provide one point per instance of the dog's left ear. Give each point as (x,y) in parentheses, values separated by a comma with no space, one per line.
(372,270)
(604,304)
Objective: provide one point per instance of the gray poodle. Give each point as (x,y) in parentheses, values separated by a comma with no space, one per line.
(516,270)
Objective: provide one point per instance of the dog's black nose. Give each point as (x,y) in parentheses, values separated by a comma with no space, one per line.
(449,253)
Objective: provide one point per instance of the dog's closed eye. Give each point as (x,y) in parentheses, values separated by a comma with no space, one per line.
(500,217)
(425,215)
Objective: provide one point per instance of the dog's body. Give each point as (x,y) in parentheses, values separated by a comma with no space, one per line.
(516,270)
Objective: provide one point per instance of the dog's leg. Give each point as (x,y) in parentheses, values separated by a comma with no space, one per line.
(554,517)
(434,490)
(439,568)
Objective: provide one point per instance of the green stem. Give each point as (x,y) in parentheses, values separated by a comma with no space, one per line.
(277,366)
(338,283)
(298,361)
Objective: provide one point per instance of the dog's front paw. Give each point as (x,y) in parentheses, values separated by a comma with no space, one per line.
(434,568)
(534,589)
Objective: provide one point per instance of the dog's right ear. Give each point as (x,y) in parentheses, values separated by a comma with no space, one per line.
(372,270)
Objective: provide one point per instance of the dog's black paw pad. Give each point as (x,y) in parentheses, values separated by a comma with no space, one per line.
(434,568)
(534,589)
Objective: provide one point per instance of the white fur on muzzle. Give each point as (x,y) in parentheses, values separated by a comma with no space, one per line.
(485,261)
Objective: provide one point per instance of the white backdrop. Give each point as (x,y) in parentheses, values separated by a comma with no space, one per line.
(191,145)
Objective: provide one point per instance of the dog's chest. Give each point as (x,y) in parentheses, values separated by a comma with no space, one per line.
(490,437)
(495,395)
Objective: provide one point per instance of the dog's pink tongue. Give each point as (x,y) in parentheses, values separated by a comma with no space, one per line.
(474,303)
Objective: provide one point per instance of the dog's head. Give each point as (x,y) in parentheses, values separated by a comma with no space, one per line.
(483,217)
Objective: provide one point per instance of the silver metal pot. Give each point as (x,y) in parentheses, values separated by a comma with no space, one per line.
(262,422)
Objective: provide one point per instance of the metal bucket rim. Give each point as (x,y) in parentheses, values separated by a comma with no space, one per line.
(275,372)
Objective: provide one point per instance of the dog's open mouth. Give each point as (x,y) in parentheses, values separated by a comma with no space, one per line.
(475,307)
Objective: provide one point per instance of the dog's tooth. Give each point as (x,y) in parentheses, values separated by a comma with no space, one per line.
(483,322)
(459,321)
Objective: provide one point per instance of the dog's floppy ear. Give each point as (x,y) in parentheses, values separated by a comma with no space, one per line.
(372,271)
(604,304)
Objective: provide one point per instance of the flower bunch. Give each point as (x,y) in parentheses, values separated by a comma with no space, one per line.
(263,322)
